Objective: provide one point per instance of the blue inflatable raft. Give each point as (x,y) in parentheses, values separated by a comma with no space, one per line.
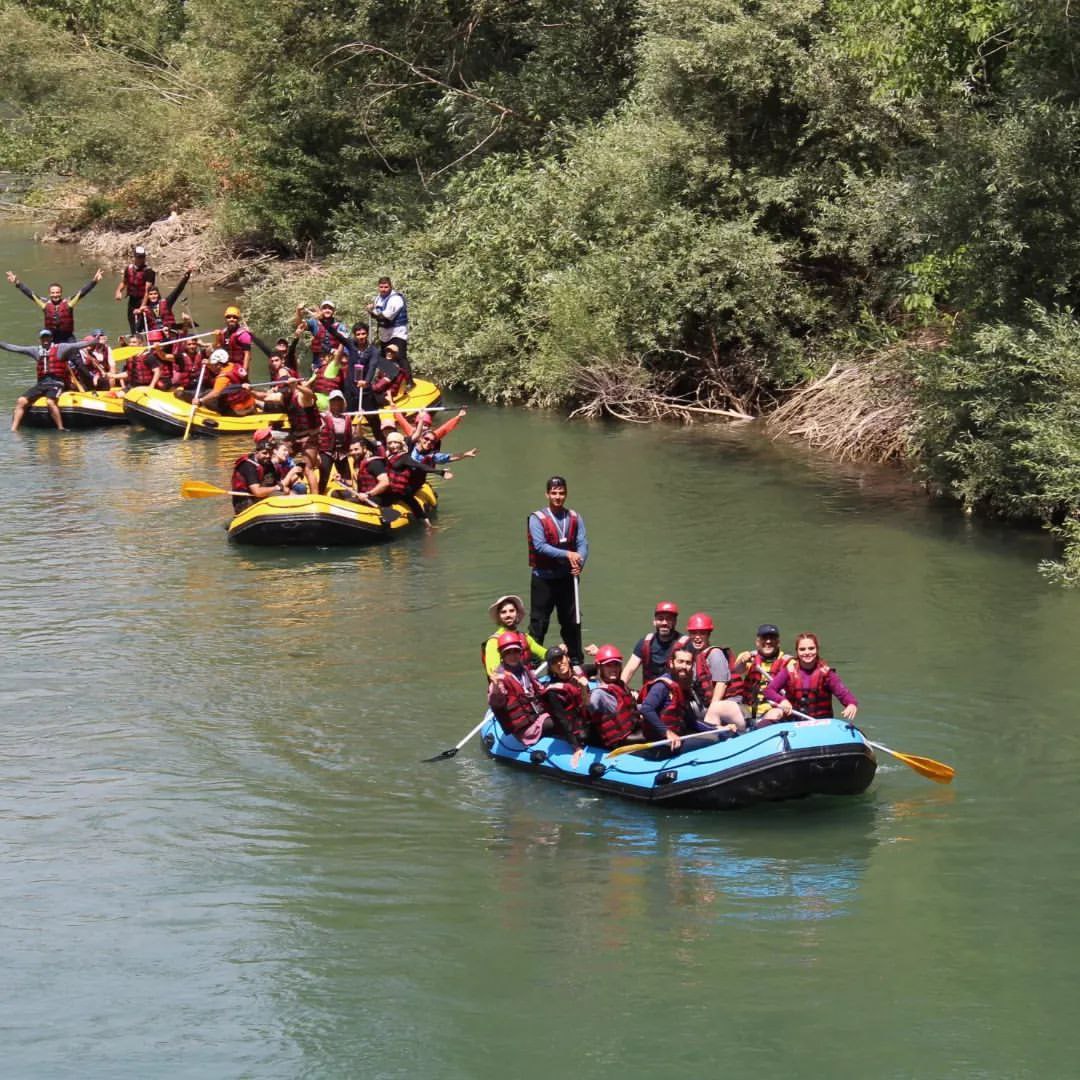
(781,761)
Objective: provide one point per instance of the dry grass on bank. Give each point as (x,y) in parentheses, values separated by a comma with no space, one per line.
(861,410)
(172,244)
(628,392)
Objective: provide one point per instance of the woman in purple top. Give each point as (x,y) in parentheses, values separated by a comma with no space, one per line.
(807,685)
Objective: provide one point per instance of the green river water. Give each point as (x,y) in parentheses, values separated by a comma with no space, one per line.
(223,858)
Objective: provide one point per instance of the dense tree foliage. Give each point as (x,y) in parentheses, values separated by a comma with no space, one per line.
(707,198)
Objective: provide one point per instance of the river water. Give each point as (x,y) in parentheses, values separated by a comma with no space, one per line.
(222,856)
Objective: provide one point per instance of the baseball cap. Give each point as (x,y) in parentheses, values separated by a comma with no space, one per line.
(335,395)
(264,434)
(556,482)
(555,653)
(329,303)
(139,249)
(45,333)
(767,630)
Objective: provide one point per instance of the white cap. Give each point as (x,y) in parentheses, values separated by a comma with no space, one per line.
(329,303)
(335,395)
(139,249)
(219,356)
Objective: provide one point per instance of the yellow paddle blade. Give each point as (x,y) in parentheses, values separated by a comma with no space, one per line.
(199,489)
(937,771)
(631,747)
(126,352)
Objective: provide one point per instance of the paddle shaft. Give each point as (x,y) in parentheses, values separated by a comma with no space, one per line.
(937,771)
(194,404)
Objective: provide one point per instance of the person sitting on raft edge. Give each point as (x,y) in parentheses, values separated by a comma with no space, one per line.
(508,613)
(807,685)
(515,696)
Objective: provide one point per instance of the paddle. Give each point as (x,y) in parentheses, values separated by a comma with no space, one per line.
(200,489)
(633,748)
(126,352)
(452,752)
(937,771)
(194,403)
(415,408)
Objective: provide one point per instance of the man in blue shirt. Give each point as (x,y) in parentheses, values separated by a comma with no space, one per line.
(558,548)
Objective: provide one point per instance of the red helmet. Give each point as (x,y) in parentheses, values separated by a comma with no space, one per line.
(510,640)
(699,621)
(666,607)
(607,653)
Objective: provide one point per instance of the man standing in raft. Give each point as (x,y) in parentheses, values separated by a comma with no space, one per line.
(135,280)
(58,313)
(53,375)
(558,548)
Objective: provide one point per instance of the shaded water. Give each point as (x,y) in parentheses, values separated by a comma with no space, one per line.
(222,857)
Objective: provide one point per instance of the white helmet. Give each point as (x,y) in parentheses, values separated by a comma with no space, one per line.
(219,356)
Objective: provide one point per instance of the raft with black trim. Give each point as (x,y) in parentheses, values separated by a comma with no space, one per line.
(323,521)
(81,409)
(162,411)
(776,762)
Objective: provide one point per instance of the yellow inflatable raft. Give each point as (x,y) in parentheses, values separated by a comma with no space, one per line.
(161,410)
(81,409)
(324,520)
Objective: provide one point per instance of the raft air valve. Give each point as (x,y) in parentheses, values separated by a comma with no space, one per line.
(597,769)
(538,757)
(666,777)
(489,741)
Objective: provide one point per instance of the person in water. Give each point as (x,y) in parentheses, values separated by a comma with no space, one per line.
(516,697)
(508,613)
(807,685)
(58,313)
(558,549)
(651,653)
(757,666)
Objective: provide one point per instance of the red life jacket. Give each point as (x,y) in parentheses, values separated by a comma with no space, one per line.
(303,419)
(758,672)
(647,660)
(239,482)
(673,713)
(139,371)
(570,697)
(332,441)
(167,374)
(524,704)
(237,342)
(59,318)
(135,280)
(158,318)
(401,476)
(613,728)
(814,700)
(49,364)
(186,367)
(703,677)
(322,341)
(363,479)
(323,384)
(552,536)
